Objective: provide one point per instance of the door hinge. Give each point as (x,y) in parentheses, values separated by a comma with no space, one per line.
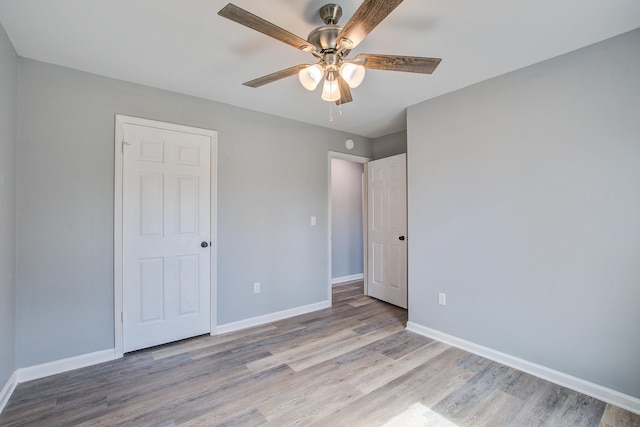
(121,317)
(125,143)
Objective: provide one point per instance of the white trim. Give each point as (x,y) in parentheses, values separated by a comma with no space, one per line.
(7,390)
(213,262)
(364,161)
(365,227)
(597,391)
(52,368)
(351,157)
(64,365)
(272,317)
(347,278)
(117,235)
(120,121)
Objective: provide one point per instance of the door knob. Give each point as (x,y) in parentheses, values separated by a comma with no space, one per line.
(204,244)
(401,238)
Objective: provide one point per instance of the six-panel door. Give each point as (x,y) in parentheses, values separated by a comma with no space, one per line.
(387,229)
(166,236)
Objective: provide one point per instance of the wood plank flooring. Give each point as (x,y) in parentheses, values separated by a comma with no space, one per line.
(353,364)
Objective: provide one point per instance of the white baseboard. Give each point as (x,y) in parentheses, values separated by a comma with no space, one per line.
(347,278)
(7,390)
(51,368)
(272,317)
(605,394)
(64,365)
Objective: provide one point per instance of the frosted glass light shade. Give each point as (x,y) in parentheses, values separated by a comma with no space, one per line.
(311,76)
(330,90)
(352,73)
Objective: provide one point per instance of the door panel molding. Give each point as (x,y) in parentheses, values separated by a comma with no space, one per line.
(186,156)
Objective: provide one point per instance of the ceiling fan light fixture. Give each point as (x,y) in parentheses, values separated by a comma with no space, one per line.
(352,73)
(311,76)
(331,89)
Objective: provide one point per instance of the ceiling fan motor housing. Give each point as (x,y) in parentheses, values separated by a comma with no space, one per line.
(324,38)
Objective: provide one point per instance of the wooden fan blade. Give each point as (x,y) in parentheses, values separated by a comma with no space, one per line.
(345,91)
(410,64)
(252,21)
(270,78)
(367,17)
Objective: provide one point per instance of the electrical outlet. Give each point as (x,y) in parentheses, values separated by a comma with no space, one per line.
(442,298)
(256,288)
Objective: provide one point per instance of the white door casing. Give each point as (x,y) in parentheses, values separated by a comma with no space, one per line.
(166,217)
(387,230)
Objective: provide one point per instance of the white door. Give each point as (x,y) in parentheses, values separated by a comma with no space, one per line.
(387,230)
(166,236)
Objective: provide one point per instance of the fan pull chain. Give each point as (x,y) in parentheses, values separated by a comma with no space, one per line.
(331,111)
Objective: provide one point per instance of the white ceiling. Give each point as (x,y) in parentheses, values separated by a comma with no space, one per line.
(184,46)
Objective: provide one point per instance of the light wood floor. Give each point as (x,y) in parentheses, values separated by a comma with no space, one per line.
(350,365)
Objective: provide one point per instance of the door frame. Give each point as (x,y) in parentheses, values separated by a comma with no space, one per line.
(120,121)
(356,159)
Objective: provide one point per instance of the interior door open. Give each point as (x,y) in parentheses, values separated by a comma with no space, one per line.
(387,230)
(166,235)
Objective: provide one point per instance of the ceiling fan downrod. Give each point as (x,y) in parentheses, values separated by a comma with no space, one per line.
(330,13)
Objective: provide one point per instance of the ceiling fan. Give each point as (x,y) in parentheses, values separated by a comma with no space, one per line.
(330,45)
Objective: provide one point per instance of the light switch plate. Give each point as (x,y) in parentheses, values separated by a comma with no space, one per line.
(442,298)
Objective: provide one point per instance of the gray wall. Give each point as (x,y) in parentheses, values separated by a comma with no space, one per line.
(272,177)
(346,218)
(8,120)
(390,145)
(524,208)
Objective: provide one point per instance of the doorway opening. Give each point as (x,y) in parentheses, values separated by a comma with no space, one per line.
(347,219)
